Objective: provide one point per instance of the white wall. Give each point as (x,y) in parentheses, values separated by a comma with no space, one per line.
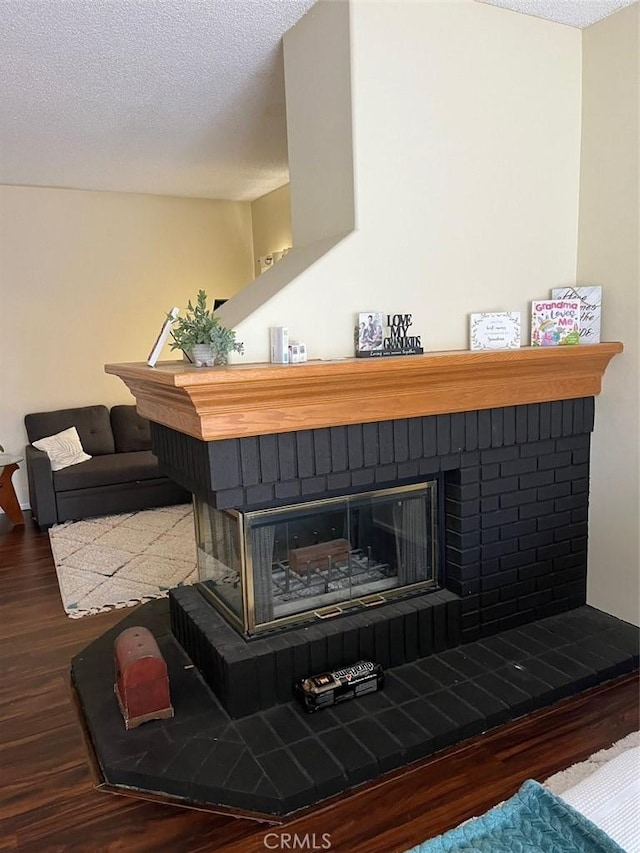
(466,126)
(608,254)
(87,278)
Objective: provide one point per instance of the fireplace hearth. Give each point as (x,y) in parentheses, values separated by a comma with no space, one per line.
(273,763)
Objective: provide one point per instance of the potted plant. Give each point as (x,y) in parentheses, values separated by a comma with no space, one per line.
(201,336)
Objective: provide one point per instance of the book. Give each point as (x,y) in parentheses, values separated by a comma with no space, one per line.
(555,322)
(495,330)
(163,336)
(590,297)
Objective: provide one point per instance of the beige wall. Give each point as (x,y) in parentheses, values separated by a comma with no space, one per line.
(466,147)
(320,138)
(471,163)
(271,223)
(608,254)
(87,277)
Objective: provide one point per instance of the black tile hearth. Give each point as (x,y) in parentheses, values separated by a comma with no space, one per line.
(248,676)
(278,760)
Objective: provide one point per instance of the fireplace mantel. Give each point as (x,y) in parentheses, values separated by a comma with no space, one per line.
(258,399)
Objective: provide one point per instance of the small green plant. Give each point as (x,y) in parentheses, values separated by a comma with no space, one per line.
(200,326)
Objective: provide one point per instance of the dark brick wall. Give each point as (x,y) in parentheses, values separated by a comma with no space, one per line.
(516,533)
(247,676)
(516,483)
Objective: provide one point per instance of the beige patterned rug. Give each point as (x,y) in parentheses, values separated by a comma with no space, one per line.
(121,560)
(565,779)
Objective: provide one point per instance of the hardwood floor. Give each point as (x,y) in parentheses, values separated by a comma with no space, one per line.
(49,802)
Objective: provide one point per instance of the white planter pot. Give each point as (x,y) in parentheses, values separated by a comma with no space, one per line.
(202,355)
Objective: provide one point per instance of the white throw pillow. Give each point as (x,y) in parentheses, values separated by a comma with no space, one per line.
(63,449)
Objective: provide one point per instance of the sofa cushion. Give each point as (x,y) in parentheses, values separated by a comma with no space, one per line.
(63,449)
(92,423)
(130,430)
(114,469)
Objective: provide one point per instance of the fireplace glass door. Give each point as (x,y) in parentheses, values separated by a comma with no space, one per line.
(273,567)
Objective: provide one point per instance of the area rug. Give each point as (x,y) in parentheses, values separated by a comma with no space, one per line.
(606,790)
(565,779)
(121,560)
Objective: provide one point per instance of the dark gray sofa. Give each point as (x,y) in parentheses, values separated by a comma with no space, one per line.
(122,476)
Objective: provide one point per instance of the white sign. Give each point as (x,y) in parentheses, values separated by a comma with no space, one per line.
(163,336)
(495,330)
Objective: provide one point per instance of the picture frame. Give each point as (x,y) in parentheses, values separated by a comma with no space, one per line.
(369,337)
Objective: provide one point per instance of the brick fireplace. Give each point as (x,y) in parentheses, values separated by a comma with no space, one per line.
(506,437)
(515,482)
(505,433)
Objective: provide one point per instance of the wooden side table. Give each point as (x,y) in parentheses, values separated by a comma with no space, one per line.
(8,500)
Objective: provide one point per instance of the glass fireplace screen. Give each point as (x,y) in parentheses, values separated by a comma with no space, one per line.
(273,567)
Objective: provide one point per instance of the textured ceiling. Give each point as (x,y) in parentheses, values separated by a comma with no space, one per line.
(178,97)
(575,13)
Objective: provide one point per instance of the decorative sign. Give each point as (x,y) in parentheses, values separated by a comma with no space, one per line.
(163,336)
(590,309)
(371,341)
(555,322)
(495,330)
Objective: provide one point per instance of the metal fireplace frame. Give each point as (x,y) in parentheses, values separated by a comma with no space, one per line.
(249,627)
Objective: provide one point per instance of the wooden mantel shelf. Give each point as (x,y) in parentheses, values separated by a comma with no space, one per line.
(257,399)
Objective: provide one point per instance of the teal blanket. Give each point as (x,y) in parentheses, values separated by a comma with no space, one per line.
(533,821)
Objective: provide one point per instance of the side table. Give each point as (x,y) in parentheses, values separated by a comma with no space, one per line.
(8,500)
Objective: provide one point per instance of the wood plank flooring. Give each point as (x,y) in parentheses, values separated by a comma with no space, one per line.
(48,801)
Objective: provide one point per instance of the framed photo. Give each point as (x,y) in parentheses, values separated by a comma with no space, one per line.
(369,332)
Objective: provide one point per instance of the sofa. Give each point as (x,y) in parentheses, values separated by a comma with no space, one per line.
(122,475)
